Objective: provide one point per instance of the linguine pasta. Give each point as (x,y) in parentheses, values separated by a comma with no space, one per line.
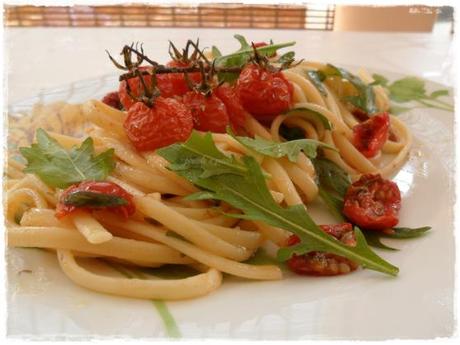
(167,228)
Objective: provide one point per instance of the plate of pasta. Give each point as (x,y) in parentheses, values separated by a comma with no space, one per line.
(252,195)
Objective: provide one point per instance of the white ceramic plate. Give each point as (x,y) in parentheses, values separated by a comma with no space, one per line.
(44,303)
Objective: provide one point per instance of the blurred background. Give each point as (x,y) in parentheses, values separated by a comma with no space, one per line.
(53,46)
(308,16)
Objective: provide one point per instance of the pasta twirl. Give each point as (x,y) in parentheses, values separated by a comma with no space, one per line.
(168,225)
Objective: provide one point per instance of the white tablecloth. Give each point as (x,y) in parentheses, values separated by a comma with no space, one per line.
(43,58)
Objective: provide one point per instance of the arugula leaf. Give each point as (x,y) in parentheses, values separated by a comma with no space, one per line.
(379,80)
(187,160)
(439,93)
(94,199)
(60,168)
(244,44)
(410,89)
(291,133)
(396,110)
(407,89)
(373,239)
(317,78)
(310,114)
(201,195)
(291,149)
(333,203)
(215,52)
(407,232)
(261,257)
(366,98)
(331,176)
(248,192)
(286,58)
(242,56)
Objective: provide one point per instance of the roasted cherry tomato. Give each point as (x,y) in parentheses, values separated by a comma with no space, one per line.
(169,84)
(373,203)
(235,110)
(209,112)
(135,87)
(177,84)
(263,93)
(320,263)
(168,121)
(112,99)
(98,187)
(370,135)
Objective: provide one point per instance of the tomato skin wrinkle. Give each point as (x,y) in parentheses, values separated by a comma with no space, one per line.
(167,122)
(103,187)
(112,99)
(370,135)
(317,263)
(263,93)
(236,113)
(373,203)
(209,112)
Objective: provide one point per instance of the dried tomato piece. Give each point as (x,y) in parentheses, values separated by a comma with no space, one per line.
(373,203)
(370,135)
(78,197)
(318,263)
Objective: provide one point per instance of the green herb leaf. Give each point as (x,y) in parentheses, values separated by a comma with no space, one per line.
(200,158)
(407,232)
(248,192)
(291,149)
(286,58)
(291,133)
(242,56)
(411,89)
(261,257)
(310,115)
(333,203)
(317,78)
(407,89)
(201,195)
(331,176)
(216,52)
(379,80)
(373,239)
(366,99)
(396,110)
(60,168)
(94,199)
(243,42)
(439,93)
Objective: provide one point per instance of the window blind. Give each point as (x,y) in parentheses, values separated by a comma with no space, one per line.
(313,16)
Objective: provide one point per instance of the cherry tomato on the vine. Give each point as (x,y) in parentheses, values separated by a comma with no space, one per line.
(169,84)
(168,121)
(263,93)
(236,113)
(209,112)
(177,81)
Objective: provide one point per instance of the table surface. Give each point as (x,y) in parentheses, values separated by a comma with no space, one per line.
(42,58)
